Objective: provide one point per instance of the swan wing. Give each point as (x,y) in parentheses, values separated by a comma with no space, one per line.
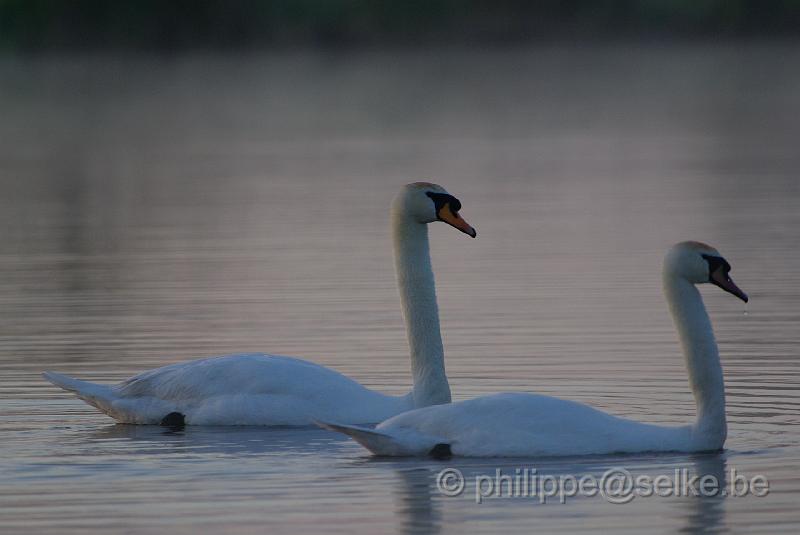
(519,424)
(246,389)
(250,373)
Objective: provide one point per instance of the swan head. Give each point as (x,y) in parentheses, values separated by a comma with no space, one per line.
(425,203)
(699,263)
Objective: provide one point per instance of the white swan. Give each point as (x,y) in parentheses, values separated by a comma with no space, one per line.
(532,425)
(259,389)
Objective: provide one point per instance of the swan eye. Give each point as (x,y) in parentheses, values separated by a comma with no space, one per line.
(440,200)
(716,263)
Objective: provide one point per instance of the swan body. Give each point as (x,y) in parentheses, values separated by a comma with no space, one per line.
(261,389)
(515,425)
(518,424)
(238,390)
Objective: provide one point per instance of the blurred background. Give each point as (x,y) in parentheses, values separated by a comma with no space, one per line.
(209,24)
(182,179)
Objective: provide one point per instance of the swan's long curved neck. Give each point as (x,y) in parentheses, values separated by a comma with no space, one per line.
(702,360)
(420,311)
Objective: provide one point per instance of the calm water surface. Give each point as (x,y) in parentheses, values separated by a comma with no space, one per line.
(156,210)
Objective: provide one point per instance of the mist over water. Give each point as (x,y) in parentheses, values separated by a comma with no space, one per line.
(156,210)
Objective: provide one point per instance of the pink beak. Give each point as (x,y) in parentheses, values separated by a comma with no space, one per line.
(721,279)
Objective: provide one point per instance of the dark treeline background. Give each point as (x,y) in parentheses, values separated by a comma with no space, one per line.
(30,25)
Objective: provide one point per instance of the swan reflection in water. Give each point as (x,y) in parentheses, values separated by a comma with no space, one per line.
(419,503)
(242,440)
(706,514)
(415,510)
(411,484)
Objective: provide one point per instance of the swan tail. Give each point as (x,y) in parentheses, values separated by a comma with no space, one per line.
(99,396)
(385,443)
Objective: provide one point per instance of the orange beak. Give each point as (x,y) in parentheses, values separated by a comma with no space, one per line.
(455,220)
